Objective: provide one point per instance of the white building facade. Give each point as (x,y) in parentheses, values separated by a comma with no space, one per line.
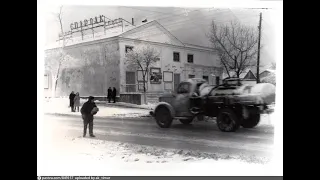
(178,61)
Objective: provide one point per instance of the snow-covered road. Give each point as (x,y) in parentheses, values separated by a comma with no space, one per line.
(137,146)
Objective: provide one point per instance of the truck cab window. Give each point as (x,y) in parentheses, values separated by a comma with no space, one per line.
(183,88)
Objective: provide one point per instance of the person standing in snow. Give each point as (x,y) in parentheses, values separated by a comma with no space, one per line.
(71,99)
(87,115)
(76,101)
(109,94)
(114,94)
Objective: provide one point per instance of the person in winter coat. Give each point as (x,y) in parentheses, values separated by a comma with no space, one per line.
(109,94)
(114,94)
(76,101)
(87,116)
(71,99)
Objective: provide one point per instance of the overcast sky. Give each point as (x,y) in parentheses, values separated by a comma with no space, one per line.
(188,25)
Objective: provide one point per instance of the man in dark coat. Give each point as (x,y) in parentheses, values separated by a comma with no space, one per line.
(87,116)
(109,94)
(114,94)
(71,99)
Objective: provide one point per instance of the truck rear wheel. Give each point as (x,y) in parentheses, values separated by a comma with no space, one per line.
(228,121)
(163,117)
(252,121)
(186,121)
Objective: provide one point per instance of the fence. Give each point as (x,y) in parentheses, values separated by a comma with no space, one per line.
(133,88)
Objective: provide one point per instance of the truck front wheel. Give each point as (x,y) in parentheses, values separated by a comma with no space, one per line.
(252,121)
(228,121)
(163,117)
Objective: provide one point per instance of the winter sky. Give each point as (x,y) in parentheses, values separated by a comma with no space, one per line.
(189,24)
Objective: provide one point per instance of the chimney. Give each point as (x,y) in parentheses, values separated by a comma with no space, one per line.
(132,21)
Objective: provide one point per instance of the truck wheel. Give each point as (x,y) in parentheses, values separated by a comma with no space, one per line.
(163,117)
(227,121)
(186,121)
(252,121)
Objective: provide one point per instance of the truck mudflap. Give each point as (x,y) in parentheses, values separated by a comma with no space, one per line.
(262,109)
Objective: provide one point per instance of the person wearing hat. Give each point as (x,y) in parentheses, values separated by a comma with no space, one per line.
(88,109)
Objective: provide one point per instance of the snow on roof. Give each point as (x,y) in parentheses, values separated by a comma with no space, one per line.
(86,38)
(233,74)
(269,70)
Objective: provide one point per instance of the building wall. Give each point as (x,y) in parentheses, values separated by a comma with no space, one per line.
(205,63)
(47,84)
(249,75)
(94,68)
(153,33)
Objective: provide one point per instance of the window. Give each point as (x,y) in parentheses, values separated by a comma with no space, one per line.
(217,80)
(176,56)
(183,88)
(205,78)
(190,58)
(129,48)
(191,76)
(46,81)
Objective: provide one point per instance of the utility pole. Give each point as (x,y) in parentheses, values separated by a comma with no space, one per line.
(258,60)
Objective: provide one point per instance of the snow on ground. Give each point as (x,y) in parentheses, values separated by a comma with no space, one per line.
(61,106)
(65,156)
(120,109)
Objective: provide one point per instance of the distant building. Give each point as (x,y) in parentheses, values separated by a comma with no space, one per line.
(266,73)
(247,75)
(178,61)
(268,76)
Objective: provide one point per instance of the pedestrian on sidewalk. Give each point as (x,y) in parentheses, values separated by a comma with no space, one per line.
(76,102)
(88,109)
(71,99)
(114,94)
(109,94)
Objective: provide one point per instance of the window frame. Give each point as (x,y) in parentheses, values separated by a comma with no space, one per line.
(128,46)
(175,52)
(194,76)
(192,58)
(181,84)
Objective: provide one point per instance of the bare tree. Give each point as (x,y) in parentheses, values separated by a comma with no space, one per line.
(141,58)
(57,59)
(236,46)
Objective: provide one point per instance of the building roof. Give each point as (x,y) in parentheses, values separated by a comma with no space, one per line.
(269,70)
(242,75)
(119,33)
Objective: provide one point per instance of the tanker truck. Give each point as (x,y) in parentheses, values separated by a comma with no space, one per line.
(233,103)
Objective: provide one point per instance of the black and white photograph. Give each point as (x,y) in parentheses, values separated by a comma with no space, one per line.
(164,88)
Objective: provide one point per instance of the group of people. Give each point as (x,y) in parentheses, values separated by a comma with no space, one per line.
(89,108)
(74,101)
(112,93)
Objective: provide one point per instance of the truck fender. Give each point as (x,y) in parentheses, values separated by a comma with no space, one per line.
(168,106)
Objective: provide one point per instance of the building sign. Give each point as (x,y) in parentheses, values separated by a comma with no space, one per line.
(91,24)
(155,75)
(86,22)
(167,76)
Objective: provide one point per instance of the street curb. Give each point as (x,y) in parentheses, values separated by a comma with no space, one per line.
(78,115)
(123,105)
